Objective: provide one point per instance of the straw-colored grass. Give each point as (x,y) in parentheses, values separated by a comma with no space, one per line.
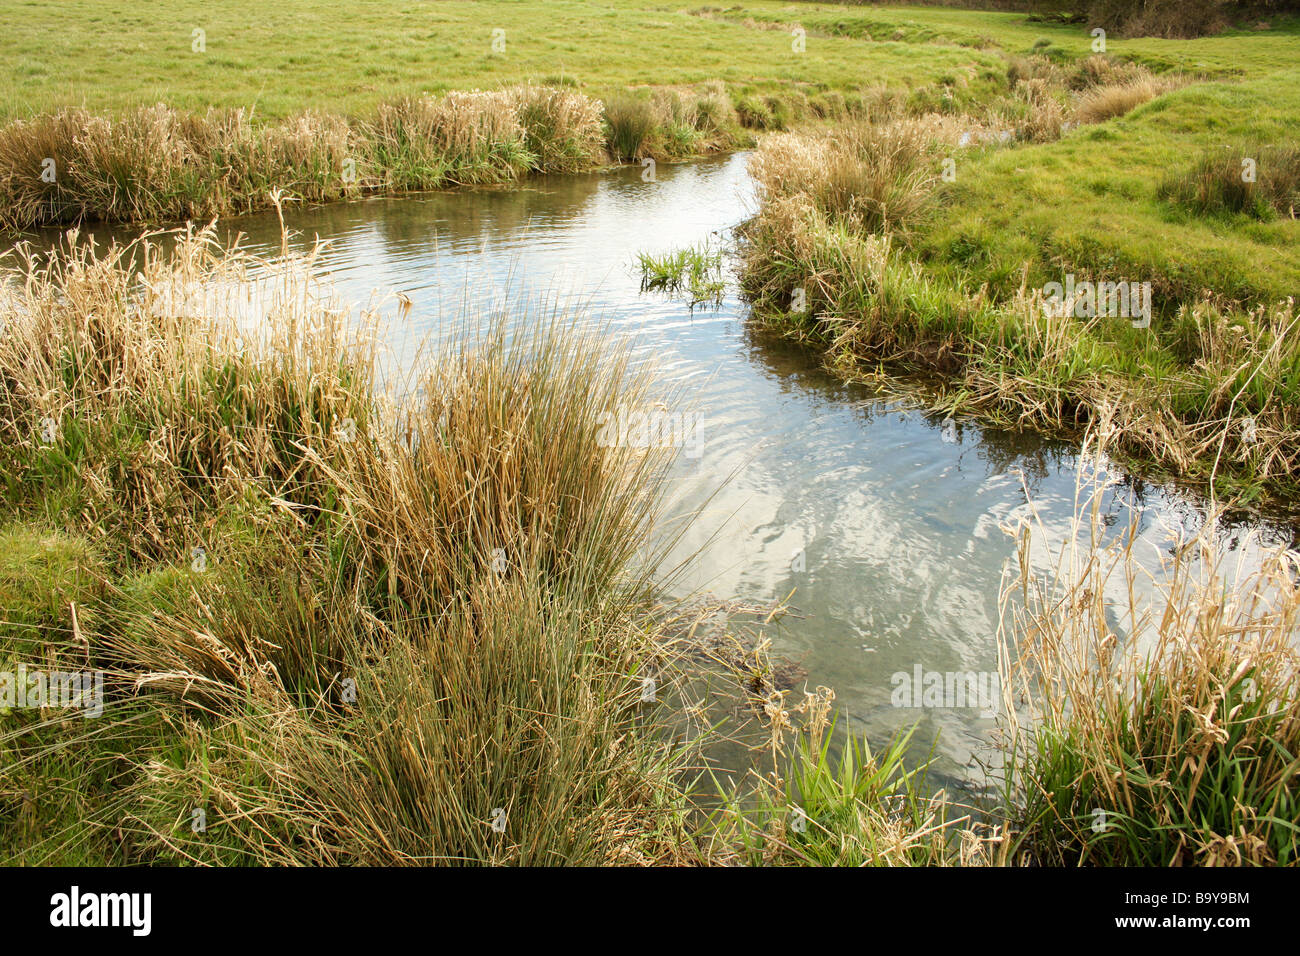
(868,177)
(160,164)
(414,609)
(1159,715)
(1108,101)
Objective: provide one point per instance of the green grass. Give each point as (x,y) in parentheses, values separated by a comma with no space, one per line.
(370,560)
(111,55)
(1091,203)
(695,270)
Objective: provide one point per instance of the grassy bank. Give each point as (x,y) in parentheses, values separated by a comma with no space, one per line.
(926,243)
(160,118)
(329,633)
(159,164)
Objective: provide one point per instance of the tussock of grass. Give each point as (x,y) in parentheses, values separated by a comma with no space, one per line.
(414,611)
(159,164)
(1160,720)
(459,138)
(1218,182)
(630,120)
(1115,99)
(870,177)
(562,128)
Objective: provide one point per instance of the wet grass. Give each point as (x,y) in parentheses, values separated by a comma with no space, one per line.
(695,270)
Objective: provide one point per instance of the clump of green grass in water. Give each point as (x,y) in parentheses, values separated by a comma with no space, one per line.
(1262,182)
(1166,734)
(696,270)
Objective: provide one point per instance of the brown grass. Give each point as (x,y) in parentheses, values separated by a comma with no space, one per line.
(1155,715)
(352,536)
(1115,99)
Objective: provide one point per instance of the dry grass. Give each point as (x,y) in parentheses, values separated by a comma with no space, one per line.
(160,164)
(869,177)
(459,553)
(1107,101)
(1159,714)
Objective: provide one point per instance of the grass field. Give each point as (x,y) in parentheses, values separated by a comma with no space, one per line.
(108,55)
(347,58)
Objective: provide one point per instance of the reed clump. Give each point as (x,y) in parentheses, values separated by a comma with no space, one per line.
(867,177)
(346,624)
(562,128)
(1155,717)
(160,164)
(458,138)
(629,120)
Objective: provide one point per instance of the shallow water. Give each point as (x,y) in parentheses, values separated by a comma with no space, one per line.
(883,523)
